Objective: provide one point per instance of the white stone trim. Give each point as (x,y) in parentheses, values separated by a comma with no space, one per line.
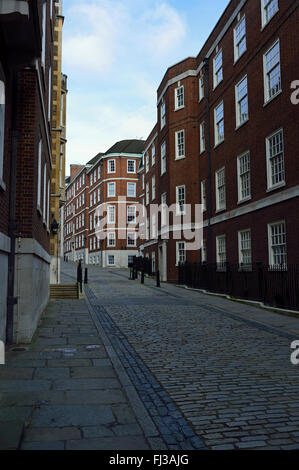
(14,6)
(30,246)
(4,243)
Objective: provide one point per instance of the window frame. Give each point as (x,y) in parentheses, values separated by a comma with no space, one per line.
(267,90)
(163,113)
(221,265)
(153,154)
(109,209)
(216,82)
(216,124)
(266,21)
(131,184)
(39,175)
(134,166)
(220,207)
(202,138)
(240,197)
(203,195)
(238,103)
(270,185)
(178,97)
(109,186)
(178,209)
(134,237)
(178,155)
(110,164)
(201,86)
(108,259)
(283,267)
(133,221)
(178,257)
(237,55)
(163,158)
(153,187)
(242,265)
(109,239)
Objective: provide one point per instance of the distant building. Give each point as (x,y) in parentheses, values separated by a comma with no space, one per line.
(101,207)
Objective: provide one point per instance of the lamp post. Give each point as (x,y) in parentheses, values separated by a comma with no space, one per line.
(54,230)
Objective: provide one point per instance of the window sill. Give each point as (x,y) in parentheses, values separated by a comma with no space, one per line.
(215,86)
(2,185)
(276,186)
(246,199)
(219,143)
(202,151)
(180,158)
(178,109)
(241,125)
(271,99)
(269,21)
(220,210)
(237,60)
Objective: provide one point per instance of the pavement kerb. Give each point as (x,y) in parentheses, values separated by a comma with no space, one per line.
(252,303)
(270,327)
(146,423)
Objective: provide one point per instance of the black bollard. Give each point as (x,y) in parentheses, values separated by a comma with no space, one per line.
(86,276)
(158,279)
(142,276)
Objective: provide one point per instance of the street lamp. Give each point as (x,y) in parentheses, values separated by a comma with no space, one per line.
(54,227)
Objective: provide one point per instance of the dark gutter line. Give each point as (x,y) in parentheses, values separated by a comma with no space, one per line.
(208,121)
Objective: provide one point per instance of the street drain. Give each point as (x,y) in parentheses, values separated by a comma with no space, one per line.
(18,349)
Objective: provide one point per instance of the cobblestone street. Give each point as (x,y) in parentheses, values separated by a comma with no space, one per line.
(226,365)
(137,367)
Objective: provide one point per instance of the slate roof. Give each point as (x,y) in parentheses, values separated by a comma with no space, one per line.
(127,146)
(94,159)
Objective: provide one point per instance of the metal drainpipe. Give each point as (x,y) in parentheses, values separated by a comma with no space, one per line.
(12,226)
(209,240)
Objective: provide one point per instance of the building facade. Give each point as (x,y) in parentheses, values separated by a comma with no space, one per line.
(26,55)
(227,138)
(59,95)
(101,207)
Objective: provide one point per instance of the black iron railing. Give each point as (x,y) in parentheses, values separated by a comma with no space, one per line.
(273,285)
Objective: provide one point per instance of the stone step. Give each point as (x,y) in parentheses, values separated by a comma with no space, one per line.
(64,292)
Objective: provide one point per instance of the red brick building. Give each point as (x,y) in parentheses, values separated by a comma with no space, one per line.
(101,207)
(227,137)
(26,32)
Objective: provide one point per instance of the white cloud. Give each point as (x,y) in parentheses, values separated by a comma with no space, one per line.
(94,49)
(113,53)
(106,125)
(164,29)
(114,33)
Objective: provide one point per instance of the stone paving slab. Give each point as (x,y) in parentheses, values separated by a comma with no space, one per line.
(109,443)
(11,435)
(63,388)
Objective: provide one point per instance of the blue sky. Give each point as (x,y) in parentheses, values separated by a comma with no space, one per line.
(115,54)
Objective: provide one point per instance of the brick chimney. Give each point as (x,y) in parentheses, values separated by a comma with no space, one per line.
(75,170)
